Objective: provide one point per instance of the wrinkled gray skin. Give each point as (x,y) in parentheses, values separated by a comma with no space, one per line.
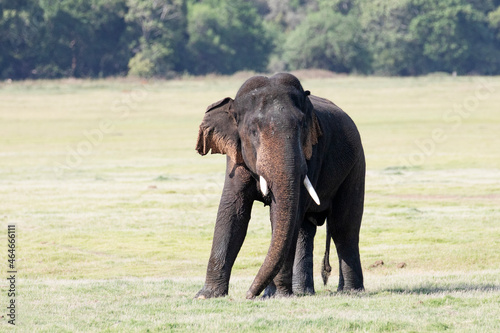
(276,131)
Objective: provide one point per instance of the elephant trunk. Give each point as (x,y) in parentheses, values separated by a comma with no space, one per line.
(285,181)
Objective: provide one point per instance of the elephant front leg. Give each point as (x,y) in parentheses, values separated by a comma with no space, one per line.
(303,281)
(228,239)
(230,231)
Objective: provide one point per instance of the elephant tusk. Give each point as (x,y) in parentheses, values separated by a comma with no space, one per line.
(263,186)
(310,189)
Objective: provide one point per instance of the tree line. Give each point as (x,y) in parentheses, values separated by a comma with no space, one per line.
(167,38)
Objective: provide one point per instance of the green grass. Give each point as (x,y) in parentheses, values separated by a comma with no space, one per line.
(117,238)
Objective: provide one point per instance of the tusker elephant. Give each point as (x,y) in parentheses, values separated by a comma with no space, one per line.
(299,154)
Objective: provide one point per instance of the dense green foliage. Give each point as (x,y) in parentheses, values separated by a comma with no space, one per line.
(164,38)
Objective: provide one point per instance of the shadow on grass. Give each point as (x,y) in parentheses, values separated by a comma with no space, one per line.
(429,289)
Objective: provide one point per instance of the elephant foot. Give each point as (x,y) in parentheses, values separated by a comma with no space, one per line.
(270,293)
(352,285)
(205,293)
(350,289)
(281,294)
(304,291)
(270,290)
(278,295)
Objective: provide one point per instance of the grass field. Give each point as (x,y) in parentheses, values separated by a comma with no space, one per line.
(114,210)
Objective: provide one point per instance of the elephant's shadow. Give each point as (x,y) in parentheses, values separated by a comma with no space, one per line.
(424,289)
(433,288)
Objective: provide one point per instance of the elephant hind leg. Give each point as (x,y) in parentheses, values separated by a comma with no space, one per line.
(344,223)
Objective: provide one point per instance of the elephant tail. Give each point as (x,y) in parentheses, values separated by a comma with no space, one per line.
(326,269)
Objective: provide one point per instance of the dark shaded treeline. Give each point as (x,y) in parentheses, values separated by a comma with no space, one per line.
(165,38)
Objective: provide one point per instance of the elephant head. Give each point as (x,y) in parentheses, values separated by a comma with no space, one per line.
(270,128)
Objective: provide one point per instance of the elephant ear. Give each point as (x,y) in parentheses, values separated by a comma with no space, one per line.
(219,132)
(313,131)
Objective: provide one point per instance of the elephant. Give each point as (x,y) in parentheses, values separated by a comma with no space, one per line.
(302,156)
